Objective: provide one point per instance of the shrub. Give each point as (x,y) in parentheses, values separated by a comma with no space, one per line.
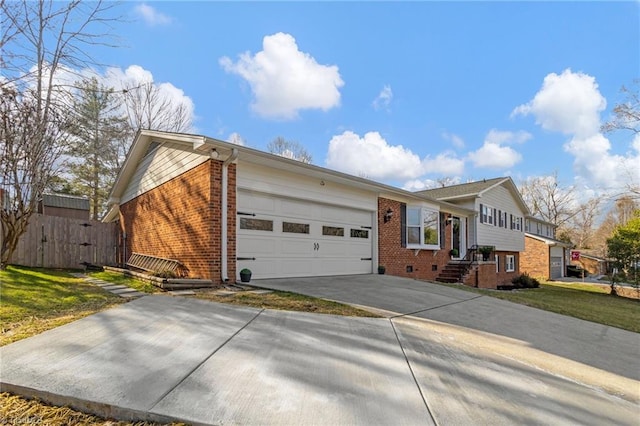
(525,281)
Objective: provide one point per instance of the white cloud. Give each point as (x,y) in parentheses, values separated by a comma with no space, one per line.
(569,103)
(384,98)
(445,164)
(285,80)
(494,154)
(151,16)
(236,139)
(372,157)
(455,140)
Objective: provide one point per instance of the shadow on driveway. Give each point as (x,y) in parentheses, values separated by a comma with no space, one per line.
(607,348)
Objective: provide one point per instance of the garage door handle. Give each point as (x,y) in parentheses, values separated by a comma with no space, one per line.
(245,258)
(316,246)
(366,258)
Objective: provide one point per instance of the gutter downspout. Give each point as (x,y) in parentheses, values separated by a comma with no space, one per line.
(224,219)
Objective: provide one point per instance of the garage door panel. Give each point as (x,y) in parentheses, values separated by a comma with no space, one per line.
(297,209)
(292,247)
(359,251)
(297,268)
(257,202)
(266,267)
(304,239)
(257,246)
(327,248)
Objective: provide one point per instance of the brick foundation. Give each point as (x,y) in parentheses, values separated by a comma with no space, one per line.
(482,275)
(403,262)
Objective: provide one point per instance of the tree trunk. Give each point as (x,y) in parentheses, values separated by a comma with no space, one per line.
(12,228)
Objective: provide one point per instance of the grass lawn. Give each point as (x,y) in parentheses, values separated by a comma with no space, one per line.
(118,278)
(20,411)
(283,300)
(36,300)
(584,301)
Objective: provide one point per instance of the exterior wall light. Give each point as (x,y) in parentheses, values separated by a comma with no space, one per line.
(388,215)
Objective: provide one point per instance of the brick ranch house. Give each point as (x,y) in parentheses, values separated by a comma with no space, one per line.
(219,207)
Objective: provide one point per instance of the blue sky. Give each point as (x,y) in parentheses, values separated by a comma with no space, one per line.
(402,92)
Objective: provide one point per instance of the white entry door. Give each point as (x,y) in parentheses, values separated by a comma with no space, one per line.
(282,237)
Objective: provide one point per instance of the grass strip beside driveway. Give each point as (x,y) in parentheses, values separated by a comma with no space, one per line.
(286,301)
(35,300)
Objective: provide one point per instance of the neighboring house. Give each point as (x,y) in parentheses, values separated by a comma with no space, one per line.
(219,207)
(63,205)
(499,222)
(544,256)
(593,264)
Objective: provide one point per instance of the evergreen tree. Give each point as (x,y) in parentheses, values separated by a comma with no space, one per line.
(97,148)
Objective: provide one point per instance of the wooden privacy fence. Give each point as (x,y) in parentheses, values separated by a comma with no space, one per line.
(61,242)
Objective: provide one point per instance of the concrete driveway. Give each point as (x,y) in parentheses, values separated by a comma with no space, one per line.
(166,358)
(594,345)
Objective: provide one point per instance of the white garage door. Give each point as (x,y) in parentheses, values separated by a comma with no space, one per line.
(280,237)
(556,267)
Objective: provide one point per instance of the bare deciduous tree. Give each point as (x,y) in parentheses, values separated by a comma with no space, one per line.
(582,225)
(626,115)
(621,212)
(39,39)
(29,150)
(548,200)
(149,108)
(289,149)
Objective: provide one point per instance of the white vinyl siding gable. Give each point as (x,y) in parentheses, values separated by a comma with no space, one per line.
(159,166)
(498,233)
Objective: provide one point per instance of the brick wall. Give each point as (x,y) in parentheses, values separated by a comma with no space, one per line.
(504,277)
(398,260)
(535,258)
(482,275)
(181,220)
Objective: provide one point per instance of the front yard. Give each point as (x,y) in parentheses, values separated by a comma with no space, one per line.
(584,301)
(35,300)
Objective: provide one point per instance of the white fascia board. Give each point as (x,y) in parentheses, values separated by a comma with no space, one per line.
(548,241)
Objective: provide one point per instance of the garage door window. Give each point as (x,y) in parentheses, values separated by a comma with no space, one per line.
(333,231)
(359,233)
(256,224)
(295,228)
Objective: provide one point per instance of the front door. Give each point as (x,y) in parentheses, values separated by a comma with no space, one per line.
(457,237)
